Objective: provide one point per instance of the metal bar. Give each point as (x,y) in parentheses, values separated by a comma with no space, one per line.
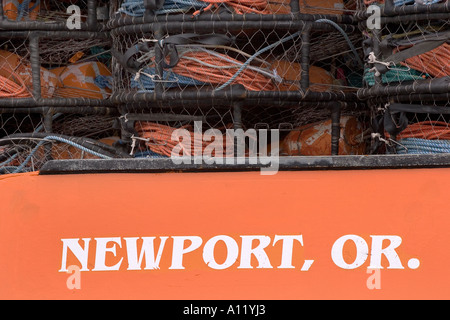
(228,95)
(228,26)
(159,62)
(35,61)
(120,20)
(302,163)
(72,110)
(59,34)
(53,102)
(391,10)
(305,58)
(434,86)
(335,128)
(92,15)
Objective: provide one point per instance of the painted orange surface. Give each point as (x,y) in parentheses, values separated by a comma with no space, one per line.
(38,212)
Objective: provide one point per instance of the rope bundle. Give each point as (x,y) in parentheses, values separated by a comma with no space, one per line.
(217,68)
(435,62)
(12,89)
(159,139)
(429,130)
(200,66)
(428,137)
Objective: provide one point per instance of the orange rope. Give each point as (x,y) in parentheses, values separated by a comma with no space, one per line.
(428,130)
(160,139)
(240,6)
(435,62)
(12,89)
(250,79)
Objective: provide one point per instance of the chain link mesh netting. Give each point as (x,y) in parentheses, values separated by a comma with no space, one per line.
(69,69)
(260,60)
(407,79)
(136,8)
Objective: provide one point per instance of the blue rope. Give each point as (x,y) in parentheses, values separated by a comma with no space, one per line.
(149,154)
(410,2)
(24,9)
(49,138)
(11,159)
(136,8)
(103,82)
(245,65)
(293,36)
(423,146)
(22,166)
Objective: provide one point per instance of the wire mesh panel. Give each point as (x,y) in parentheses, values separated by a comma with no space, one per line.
(407,77)
(408,57)
(38,69)
(266,69)
(264,61)
(54,91)
(136,11)
(29,140)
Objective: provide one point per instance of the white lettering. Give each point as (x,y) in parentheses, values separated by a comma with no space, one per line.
(232,252)
(247,251)
(389,252)
(362,252)
(100,254)
(80,253)
(287,251)
(148,249)
(179,250)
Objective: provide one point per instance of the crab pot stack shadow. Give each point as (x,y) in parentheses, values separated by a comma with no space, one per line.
(407,76)
(256,65)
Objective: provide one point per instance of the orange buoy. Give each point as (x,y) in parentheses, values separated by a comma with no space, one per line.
(315,139)
(84,80)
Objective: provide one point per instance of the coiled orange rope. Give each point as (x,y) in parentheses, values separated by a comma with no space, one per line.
(429,130)
(435,62)
(12,89)
(159,139)
(206,67)
(239,6)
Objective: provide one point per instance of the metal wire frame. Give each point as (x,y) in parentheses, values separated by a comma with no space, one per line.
(233,93)
(405,13)
(437,89)
(238,108)
(302,163)
(118,20)
(37,101)
(391,10)
(91,23)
